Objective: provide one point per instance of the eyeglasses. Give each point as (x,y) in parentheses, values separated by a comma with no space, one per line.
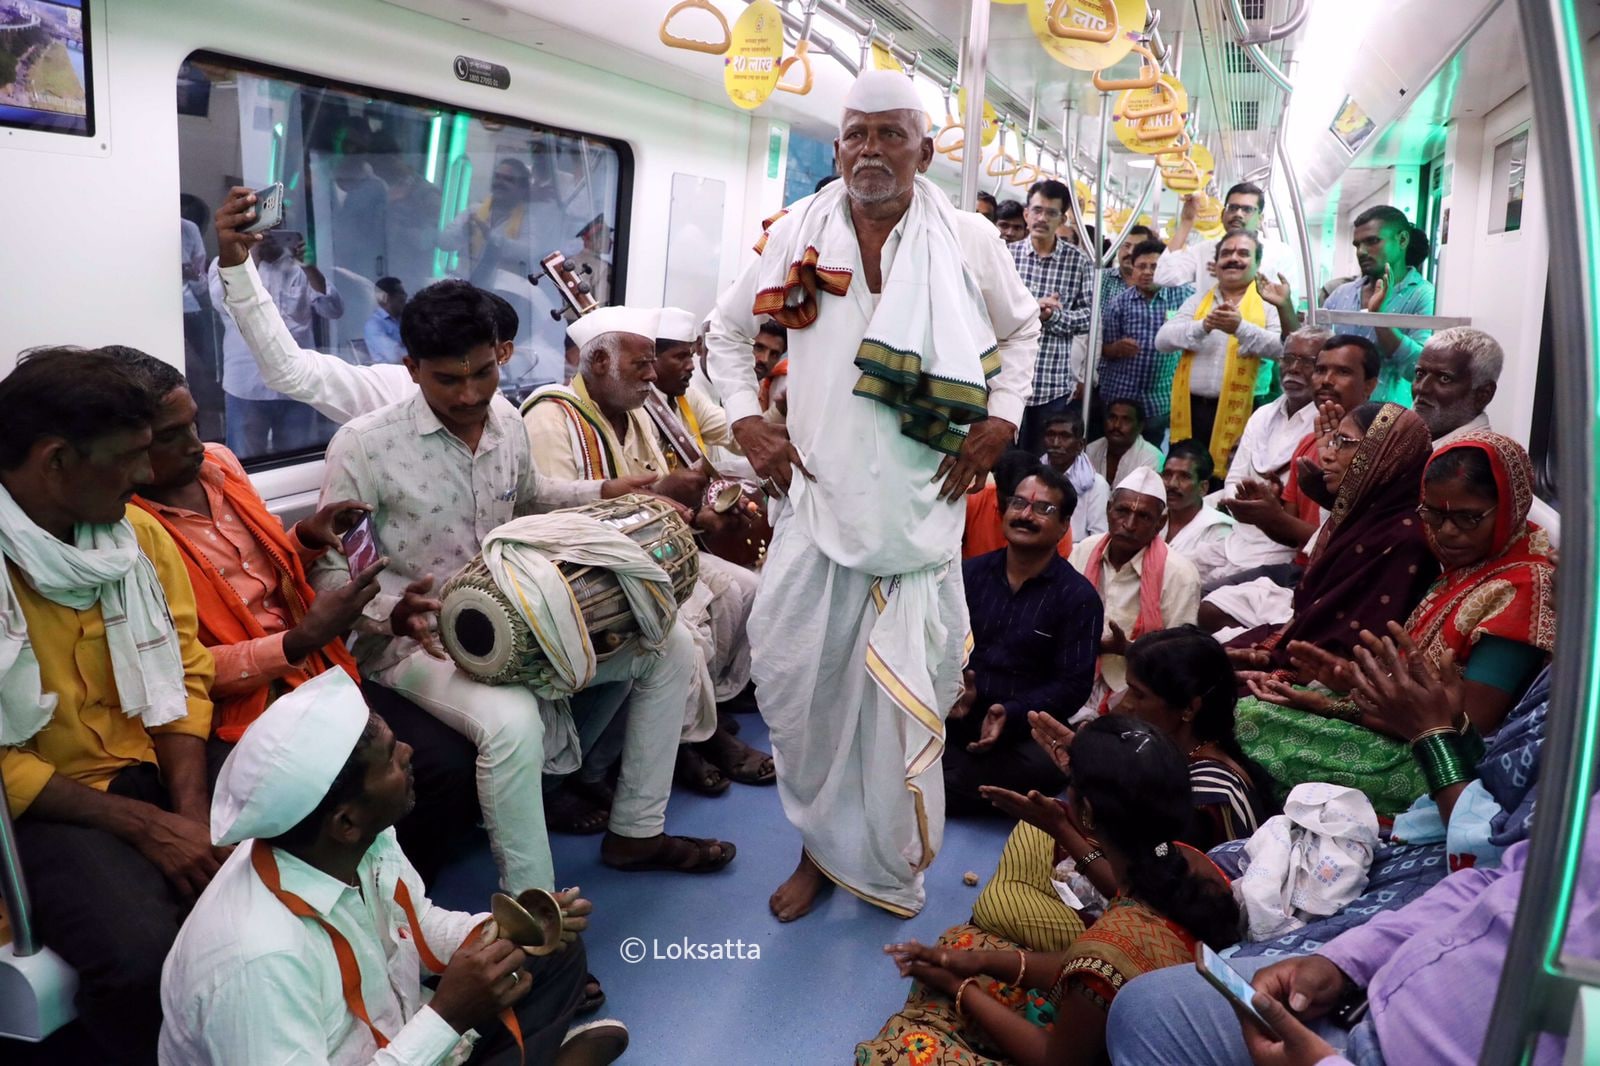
(1342,443)
(1043,212)
(1465,521)
(1038,507)
(1240,209)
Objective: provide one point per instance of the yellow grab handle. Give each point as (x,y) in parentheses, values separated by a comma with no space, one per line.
(952,149)
(803,57)
(1144,132)
(1149,74)
(1001,159)
(1019,181)
(1084,28)
(1154,110)
(672,40)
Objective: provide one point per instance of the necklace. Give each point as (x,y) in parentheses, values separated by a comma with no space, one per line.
(1196,749)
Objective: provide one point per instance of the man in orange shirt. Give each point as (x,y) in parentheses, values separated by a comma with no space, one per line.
(265,627)
(984,531)
(103,707)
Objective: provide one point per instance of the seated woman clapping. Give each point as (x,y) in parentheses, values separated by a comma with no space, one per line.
(1180,682)
(1489,618)
(979,999)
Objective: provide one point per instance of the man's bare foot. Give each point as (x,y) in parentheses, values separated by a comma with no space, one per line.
(796,895)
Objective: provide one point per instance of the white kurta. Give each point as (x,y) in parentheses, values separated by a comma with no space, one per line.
(840,743)
(1119,592)
(1140,454)
(1204,542)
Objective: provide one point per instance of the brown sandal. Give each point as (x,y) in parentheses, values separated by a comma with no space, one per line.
(689,855)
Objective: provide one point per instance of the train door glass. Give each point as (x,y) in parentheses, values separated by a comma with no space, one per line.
(383,194)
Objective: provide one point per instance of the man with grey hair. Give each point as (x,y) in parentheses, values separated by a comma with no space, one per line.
(911,343)
(1456,377)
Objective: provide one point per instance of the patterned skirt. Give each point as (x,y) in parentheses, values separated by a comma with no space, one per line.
(1296,746)
(927,1031)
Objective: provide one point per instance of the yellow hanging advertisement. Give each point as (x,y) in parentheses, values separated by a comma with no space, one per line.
(1150,120)
(750,67)
(991,118)
(1086,34)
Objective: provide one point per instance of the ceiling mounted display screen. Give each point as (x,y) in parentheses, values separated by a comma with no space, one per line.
(45,71)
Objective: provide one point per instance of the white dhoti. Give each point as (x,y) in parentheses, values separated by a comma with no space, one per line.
(839,742)
(1261,602)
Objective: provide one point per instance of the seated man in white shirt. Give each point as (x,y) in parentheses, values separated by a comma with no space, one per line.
(1123,449)
(1144,586)
(309,944)
(1064,453)
(442,470)
(1456,377)
(1195,529)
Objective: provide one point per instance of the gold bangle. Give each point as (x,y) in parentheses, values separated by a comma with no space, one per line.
(1022,966)
(1435,732)
(962,987)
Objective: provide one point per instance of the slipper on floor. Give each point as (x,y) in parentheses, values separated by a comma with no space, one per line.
(596,1043)
(677,854)
(567,812)
(697,774)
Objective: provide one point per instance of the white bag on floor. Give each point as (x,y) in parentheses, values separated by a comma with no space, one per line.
(1308,862)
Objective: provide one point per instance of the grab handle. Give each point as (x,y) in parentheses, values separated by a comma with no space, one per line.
(1149,74)
(803,57)
(1086,27)
(672,40)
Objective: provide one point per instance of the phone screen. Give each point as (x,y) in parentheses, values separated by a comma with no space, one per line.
(360,545)
(1230,983)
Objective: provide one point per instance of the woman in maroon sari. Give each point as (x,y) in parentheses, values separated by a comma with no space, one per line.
(1370,564)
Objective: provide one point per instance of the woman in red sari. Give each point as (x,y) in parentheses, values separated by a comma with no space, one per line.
(1490,615)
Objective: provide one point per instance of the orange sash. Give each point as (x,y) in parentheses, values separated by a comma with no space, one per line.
(266,868)
(223,617)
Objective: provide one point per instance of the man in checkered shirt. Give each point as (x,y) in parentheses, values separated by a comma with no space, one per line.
(1131,367)
(1060,277)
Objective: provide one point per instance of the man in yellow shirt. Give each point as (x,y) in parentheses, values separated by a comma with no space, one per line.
(104,713)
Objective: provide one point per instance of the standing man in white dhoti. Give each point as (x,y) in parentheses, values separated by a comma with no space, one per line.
(911,349)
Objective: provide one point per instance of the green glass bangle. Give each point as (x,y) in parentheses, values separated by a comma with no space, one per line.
(1442,761)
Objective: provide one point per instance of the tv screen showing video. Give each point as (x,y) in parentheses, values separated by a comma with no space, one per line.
(45,73)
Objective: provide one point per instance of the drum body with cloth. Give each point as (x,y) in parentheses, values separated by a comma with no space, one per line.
(486,634)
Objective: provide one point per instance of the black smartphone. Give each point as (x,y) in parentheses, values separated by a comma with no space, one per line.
(1232,985)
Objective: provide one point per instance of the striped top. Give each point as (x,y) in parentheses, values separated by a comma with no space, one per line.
(1226,805)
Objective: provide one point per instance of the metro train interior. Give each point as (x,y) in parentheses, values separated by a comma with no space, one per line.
(654,155)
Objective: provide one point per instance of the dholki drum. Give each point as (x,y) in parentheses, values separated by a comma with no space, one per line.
(486,635)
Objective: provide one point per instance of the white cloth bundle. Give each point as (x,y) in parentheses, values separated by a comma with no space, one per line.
(1308,862)
(521,556)
(103,565)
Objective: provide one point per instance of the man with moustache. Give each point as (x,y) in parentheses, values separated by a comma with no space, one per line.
(1035,633)
(1061,278)
(1064,452)
(858,628)
(1242,212)
(1224,333)
(1143,585)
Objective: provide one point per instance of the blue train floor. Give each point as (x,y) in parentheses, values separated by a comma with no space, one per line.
(819,985)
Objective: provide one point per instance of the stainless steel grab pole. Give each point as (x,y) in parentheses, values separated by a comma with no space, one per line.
(1092,355)
(1539,984)
(13,887)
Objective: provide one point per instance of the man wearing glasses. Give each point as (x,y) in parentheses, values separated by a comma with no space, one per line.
(1186,264)
(1060,278)
(1035,638)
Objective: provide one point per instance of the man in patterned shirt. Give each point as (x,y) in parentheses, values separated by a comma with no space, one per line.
(441,470)
(1060,278)
(1131,366)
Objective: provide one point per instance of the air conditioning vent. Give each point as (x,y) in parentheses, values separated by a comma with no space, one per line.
(1246,115)
(890,19)
(1254,9)
(1236,60)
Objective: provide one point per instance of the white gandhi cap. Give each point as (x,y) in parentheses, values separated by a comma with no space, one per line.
(883,90)
(1146,482)
(288,759)
(677,325)
(640,321)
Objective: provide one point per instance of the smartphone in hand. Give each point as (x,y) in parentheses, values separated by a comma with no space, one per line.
(1232,985)
(269,209)
(360,545)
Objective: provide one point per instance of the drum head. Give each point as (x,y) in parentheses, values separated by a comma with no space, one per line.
(480,634)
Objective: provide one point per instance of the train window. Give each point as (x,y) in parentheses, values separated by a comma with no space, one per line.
(383,194)
(1510,175)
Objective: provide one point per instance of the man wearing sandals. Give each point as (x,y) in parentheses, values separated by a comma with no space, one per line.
(606,424)
(911,349)
(441,470)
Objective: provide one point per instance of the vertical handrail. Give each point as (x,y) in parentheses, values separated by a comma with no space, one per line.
(13,887)
(1291,180)
(974,69)
(1098,281)
(1536,988)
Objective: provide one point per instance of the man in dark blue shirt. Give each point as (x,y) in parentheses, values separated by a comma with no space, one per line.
(1036,631)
